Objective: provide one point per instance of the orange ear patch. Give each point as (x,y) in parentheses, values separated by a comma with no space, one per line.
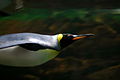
(59,37)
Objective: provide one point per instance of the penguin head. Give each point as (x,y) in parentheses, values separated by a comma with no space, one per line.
(65,40)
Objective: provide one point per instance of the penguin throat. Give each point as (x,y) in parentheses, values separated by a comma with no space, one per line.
(65,43)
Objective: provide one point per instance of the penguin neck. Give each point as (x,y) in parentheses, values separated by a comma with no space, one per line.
(55,42)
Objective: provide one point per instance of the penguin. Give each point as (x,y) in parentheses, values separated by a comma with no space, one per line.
(32,49)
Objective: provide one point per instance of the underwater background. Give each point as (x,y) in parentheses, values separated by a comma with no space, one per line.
(95,58)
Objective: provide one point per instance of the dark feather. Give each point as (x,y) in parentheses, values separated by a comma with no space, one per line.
(32,46)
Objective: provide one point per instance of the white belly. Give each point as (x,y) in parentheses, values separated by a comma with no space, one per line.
(18,56)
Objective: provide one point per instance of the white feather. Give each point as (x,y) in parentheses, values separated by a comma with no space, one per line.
(18,56)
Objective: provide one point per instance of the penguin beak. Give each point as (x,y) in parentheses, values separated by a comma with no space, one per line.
(77,37)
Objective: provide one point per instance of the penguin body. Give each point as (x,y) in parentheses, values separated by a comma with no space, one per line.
(31,49)
(27,49)
(18,56)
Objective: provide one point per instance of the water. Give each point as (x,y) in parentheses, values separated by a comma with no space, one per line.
(87,59)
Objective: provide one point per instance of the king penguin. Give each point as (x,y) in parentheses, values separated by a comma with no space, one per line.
(32,49)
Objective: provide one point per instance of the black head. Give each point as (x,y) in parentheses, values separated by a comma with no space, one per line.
(67,39)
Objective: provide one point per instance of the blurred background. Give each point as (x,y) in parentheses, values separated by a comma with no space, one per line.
(95,58)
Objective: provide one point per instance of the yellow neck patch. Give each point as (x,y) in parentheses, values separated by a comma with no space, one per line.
(59,37)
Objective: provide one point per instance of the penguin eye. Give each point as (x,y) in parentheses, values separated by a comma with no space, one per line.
(66,40)
(68,36)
